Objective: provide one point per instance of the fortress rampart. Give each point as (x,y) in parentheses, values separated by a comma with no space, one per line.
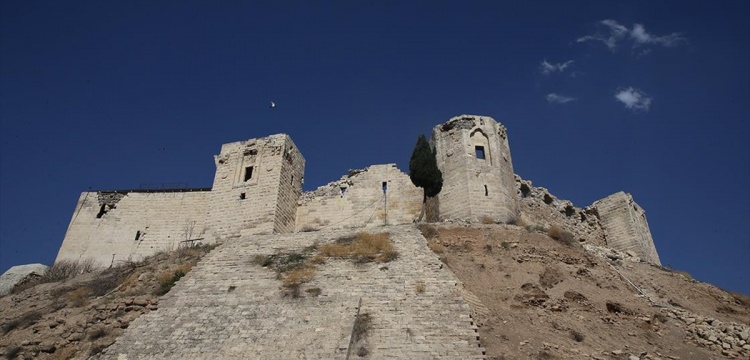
(257,189)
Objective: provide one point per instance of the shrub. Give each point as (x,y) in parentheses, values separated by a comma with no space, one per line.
(316,291)
(97,332)
(505,245)
(535,228)
(169,278)
(11,352)
(486,219)
(308,228)
(65,269)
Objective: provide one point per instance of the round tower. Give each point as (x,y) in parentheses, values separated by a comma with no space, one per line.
(473,153)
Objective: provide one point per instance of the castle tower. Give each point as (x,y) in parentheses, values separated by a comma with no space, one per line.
(474,156)
(256,187)
(625,226)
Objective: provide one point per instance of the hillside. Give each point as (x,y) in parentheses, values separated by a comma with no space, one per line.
(531,297)
(540,298)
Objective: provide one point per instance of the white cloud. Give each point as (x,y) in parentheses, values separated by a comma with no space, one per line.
(548,68)
(633,99)
(553,98)
(640,36)
(617,33)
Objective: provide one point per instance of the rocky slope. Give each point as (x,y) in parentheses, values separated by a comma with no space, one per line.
(532,297)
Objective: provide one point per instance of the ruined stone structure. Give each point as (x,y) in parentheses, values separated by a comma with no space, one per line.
(626,227)
(257,189)
(474,156)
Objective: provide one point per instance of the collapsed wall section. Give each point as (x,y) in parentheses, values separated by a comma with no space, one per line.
(539,207)
(114,226)
(375,196)
(478,180)
(256,186)
(626,227)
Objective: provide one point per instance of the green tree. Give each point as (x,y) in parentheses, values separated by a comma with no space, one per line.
(424,172)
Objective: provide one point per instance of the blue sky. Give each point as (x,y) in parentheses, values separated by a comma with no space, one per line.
(652,98)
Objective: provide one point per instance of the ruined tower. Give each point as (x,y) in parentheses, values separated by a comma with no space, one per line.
(478,182)
(625,225)
(256,187)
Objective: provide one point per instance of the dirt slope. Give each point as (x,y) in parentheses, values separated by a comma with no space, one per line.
(539,298)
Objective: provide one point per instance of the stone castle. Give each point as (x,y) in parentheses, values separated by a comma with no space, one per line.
(257,190)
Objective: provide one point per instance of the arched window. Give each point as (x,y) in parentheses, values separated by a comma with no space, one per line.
(480,145)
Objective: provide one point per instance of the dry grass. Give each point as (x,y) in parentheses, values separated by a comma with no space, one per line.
(298,276)
(436,247)
(561,235)
(79,297)
(419,287)
(169,278)
(364,247)
(487,220)
(428,231)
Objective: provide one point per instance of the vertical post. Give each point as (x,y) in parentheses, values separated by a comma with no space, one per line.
(385,199)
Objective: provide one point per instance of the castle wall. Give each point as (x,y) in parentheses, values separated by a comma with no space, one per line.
(626,227)
(229,308)
(111,227)
(253,188)
(357,200)
(478,180)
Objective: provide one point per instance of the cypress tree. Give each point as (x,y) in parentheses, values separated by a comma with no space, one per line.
(424,172)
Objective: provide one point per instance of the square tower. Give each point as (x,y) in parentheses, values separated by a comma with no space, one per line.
(625,226)
(478,182)
(256,187)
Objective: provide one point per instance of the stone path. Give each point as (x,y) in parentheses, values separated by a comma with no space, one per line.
(228,307)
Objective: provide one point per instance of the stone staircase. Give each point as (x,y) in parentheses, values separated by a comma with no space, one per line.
(227,307)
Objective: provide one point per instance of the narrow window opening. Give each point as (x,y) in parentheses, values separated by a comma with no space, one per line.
(137,235)
(242,196)
(385,186)
(102,211)
(343,191)
(479,150)
(292,181)
(248,173)
(486,191)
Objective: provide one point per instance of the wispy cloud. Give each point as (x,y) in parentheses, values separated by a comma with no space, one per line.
(548,68)
(553,98)
(641,37)
(616,33)
(633,99)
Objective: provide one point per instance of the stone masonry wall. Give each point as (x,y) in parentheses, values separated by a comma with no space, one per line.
(478,182)
(539,207)
(247,191)
(110,227)
(290,188)
(626,227)
(228,307)
(357,200)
